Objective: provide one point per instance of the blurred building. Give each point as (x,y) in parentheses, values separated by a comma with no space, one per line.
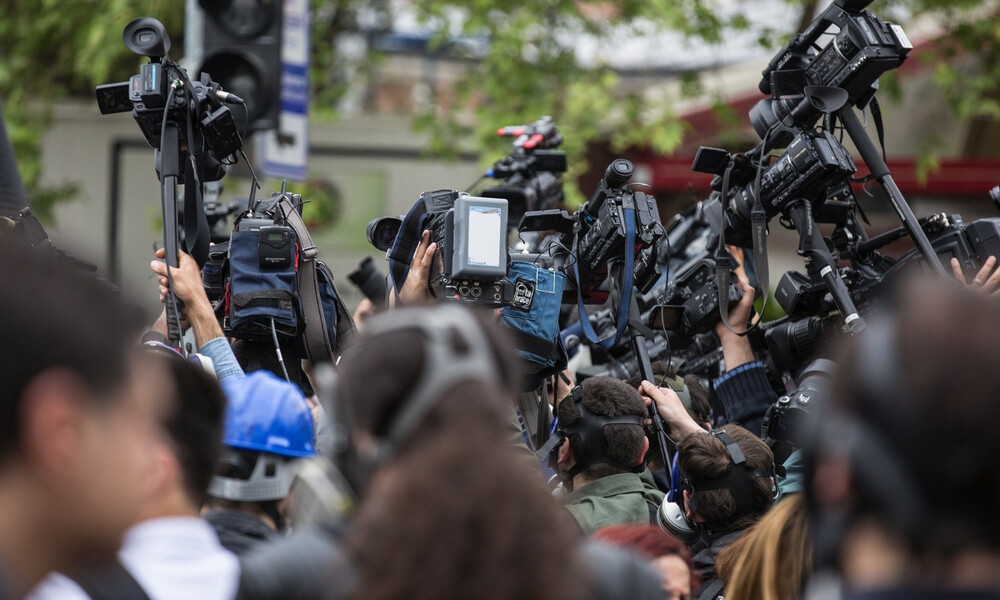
(370,163)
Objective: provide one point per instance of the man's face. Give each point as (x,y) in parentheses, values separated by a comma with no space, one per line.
(117,444)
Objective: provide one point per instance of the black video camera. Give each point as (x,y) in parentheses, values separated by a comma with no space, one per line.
(863,48)
(691,301)
(532,172)
(599,231)
(371,282)
(162,92)
(811,166)
(784,427)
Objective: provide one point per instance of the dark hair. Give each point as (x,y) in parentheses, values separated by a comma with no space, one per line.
(650,541)
(194,424)
(261,356)
(57,316)
(456,483)
(921,387)
(377,375)
(701,408)
(607,397)
(704,457)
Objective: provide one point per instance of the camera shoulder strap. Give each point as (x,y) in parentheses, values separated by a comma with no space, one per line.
(588,328)
(111,582)
(314,336)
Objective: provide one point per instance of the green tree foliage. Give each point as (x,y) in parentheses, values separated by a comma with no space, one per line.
(51,49)
(531,69)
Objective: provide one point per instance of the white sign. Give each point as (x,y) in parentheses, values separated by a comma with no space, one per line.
(284,152)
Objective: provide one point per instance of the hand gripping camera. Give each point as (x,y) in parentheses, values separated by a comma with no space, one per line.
(471,233)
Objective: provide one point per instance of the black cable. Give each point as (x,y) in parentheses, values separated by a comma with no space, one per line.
(277,349)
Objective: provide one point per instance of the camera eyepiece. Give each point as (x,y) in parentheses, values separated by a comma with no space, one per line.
(619,172)
(146,36)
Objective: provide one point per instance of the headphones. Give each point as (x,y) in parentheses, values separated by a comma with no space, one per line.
(444,367)
(590,428)
(739,481)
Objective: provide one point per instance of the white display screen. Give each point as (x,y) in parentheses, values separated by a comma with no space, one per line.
(484,236)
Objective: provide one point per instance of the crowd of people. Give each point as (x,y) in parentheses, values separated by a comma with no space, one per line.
(130,470)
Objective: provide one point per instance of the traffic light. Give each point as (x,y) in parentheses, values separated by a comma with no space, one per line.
(241,42)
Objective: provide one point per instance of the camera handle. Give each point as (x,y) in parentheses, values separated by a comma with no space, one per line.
(878,168)
(637,332)
(820,261)
(170,150)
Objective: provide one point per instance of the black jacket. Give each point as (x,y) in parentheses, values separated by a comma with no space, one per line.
(239,532)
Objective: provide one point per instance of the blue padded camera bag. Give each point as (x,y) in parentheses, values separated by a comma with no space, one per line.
(533,316)
(260,295)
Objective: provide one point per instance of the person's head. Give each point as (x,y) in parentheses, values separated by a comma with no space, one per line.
(695,400)
(191,432)
(269,427)
(906,459)
(426,395)
(729,475)
(773,559)
(668,555)
(77,411)
(619,447)
(414,371)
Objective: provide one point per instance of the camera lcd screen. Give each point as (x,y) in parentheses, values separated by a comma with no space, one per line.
(485,232)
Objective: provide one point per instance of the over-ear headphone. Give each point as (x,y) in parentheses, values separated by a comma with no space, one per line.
(739,481)
(590,428)
(445,365)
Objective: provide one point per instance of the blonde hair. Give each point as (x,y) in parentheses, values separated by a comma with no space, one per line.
(772,560)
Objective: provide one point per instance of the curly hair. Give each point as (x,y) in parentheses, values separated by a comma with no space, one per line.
(607,397)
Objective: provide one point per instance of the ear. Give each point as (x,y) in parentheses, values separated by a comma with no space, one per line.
(53,422)
(687,508)
(566,457)
(165,471)
(645,449)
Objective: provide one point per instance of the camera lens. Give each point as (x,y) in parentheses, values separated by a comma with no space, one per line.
(382,232)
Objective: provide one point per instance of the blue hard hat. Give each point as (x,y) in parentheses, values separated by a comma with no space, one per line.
(268,414)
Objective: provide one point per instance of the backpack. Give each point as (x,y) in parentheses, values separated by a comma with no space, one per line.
(273,284)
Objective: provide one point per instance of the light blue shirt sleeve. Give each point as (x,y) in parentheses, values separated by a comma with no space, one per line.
(222,357)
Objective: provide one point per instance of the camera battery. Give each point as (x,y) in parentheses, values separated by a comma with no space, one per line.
(274,247)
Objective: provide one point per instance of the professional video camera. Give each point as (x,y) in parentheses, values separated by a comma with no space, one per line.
(471,234)
(809,183)
(532,172)
(785,428)
(193,133)
(811,164)
(863,48)
(617,225)
(164,101)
